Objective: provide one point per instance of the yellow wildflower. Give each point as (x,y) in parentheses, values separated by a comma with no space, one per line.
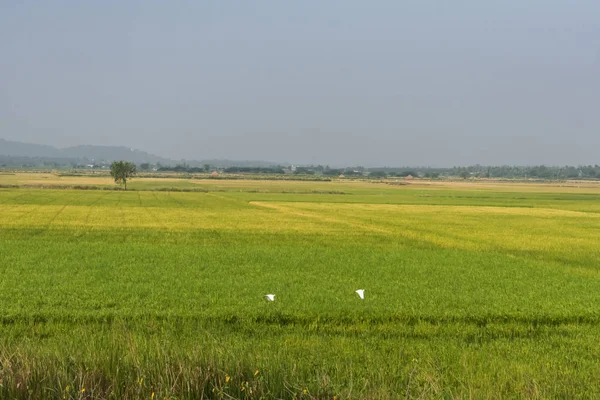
(82,390)
(227,378)
(255,372)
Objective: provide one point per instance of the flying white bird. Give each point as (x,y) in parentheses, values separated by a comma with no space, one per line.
(361,293)
(270,297)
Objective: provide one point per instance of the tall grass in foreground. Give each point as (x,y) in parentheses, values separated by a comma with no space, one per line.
(146,359)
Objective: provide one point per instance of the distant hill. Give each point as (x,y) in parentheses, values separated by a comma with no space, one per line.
(112,153)
(18,149)
(87,154)
(18,153)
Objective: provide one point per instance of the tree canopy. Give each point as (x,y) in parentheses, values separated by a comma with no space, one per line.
(121,171)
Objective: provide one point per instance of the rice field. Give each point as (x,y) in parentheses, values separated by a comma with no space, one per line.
(485,291)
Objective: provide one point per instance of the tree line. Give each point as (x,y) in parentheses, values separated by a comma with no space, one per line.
(545,172)
(473,171)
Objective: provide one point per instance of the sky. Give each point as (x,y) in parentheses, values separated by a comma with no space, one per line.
(371,83)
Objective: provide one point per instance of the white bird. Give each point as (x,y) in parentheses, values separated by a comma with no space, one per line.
(361,293)
(270,297)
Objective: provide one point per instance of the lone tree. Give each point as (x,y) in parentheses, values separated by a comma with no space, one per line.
(121,171)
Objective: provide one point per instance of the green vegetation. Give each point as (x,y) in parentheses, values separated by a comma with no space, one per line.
(121,171)
(480,292)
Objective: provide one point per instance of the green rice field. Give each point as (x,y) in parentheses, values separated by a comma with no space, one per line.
(471,291)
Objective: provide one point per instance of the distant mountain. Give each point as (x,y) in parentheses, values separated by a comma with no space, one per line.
(18,149)
(112,153)
(88,154)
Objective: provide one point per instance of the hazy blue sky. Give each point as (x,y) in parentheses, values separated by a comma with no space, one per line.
(337,82)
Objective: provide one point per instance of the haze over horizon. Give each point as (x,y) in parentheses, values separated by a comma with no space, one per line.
(339,83)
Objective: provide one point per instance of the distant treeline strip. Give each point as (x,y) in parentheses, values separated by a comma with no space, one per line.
(502,171)
(229,170)
(544,172)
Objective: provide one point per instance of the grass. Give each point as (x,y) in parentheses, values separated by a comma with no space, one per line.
(470,292)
